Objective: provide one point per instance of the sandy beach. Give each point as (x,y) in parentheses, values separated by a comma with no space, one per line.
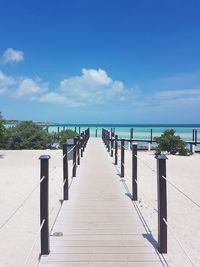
(183,216)
(20,174)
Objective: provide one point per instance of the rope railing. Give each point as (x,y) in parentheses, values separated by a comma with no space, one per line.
(71,149)
(43,232)
(147,165)
(164,219)
(21,204)
(180,191)
(179,242)
(34,243)
(162,188)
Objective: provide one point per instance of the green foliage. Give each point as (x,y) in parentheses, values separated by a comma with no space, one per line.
(64,135)
(2,129)
(171,143)
(26,135)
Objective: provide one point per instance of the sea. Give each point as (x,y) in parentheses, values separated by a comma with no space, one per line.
(140,131)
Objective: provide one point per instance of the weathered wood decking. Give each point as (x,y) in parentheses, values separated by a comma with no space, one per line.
(100,225)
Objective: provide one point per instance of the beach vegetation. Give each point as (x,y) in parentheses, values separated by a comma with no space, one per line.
(172,143)
(65,135)
(26,135)
(2,129)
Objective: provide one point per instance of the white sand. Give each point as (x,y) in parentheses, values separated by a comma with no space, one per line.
(183,216)
(19,173)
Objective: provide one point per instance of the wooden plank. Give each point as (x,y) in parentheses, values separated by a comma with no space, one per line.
(95,257)
(99,225)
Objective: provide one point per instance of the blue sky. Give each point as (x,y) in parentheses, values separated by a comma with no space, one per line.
(89,61)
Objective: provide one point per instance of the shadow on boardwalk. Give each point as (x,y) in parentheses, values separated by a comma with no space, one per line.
(148,236)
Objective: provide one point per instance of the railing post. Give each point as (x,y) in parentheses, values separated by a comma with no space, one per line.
(74,158)
(96,133)
(162,203)
(122,157)
(131,137)
(65,173)
(151,135)
(195,137)
(116,150)
(44,204)
(112,144)
(108,141)
(78,150)
(134,173)
(82,145)
(131,133)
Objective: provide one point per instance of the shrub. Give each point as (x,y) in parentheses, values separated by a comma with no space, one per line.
(171,143)
(67,134)
(2,129)
(26,135)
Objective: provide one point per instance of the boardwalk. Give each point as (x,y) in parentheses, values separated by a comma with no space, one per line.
(99,226)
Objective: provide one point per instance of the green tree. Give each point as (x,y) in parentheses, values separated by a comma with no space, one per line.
(67,134)
(171,143)
(2,129)
(26,135)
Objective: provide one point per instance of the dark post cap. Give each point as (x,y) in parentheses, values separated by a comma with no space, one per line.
(44,157)
(162,156)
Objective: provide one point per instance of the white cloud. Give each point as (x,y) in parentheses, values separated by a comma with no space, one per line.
(30,88)
(177,93)
(53,97)
(177,97)
(94,87)
(5,82)
(11,55)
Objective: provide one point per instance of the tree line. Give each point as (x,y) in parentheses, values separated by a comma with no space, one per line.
(28,135)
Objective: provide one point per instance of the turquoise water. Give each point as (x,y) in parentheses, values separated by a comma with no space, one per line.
(140,131)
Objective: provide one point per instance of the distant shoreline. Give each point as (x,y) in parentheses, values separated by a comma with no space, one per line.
(189,125)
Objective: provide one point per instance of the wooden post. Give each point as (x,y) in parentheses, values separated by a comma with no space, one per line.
(65,173)
(131,133)
(96,133)
(78,150)
(131,137)
(44,204)
(82,145)
(112,144)
(134,173)
(122,157)
(116,150)
(151,135)
(74,158)
(195,137)
(162,203)
(108,141)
